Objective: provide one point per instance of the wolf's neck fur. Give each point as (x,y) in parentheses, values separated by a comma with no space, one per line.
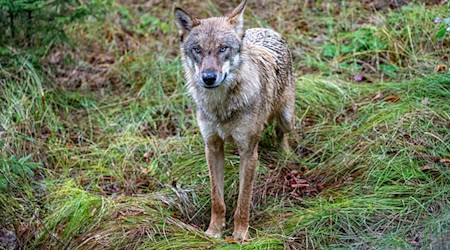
(238,92)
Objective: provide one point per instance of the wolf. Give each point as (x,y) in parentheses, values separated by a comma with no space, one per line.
(240,80)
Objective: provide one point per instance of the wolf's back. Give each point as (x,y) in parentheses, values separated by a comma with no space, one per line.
(274,64)
(270,40)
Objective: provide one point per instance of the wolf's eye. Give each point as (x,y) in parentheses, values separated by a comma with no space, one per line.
(223,49)
(197,50)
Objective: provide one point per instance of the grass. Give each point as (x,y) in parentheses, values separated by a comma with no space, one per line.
(100,147)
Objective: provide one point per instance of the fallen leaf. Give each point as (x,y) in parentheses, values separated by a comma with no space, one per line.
(445,161)
(348,180)
(149,154)
(293,193)
(414,243)
(300,185)
(301,181)
(429,167)
(392,98)
(303,26)
(129,59)
(230,239)
(144,170)
(108,35)
(440,68)
(378,96)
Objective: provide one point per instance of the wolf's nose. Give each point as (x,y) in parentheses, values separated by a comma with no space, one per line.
(209,78)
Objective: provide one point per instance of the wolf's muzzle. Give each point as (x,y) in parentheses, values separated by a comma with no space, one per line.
(209,78)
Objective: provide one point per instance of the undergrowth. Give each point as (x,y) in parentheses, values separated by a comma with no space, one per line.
(100,147)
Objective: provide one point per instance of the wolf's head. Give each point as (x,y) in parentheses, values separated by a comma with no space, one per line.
(210,47)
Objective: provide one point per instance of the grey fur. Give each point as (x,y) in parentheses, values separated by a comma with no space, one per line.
(254,87)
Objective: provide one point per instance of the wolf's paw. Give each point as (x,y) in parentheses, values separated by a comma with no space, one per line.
(240,235)
(214,232)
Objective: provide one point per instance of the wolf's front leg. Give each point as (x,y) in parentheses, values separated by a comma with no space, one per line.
(247,171)
(215,159)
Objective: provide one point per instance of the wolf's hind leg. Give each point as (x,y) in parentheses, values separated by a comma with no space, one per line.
(285,124)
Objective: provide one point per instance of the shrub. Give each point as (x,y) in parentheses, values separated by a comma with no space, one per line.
(37,24)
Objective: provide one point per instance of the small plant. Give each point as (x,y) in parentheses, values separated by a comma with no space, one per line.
(37,23)
(444,29)
(363,39)
(146,23)
(353,49)
(14,169)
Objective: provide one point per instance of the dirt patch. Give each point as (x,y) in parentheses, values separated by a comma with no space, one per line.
(164,126)
(288,182)
(132,185)
(94,70)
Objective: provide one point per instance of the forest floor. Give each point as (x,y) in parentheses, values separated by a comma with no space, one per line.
(100,147)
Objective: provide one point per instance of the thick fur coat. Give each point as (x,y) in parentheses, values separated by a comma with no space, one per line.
(240,81)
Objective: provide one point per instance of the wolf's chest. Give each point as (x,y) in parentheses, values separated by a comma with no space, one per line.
(224,107)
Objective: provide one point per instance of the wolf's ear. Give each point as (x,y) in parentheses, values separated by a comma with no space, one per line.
(236,18)
(184,21)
